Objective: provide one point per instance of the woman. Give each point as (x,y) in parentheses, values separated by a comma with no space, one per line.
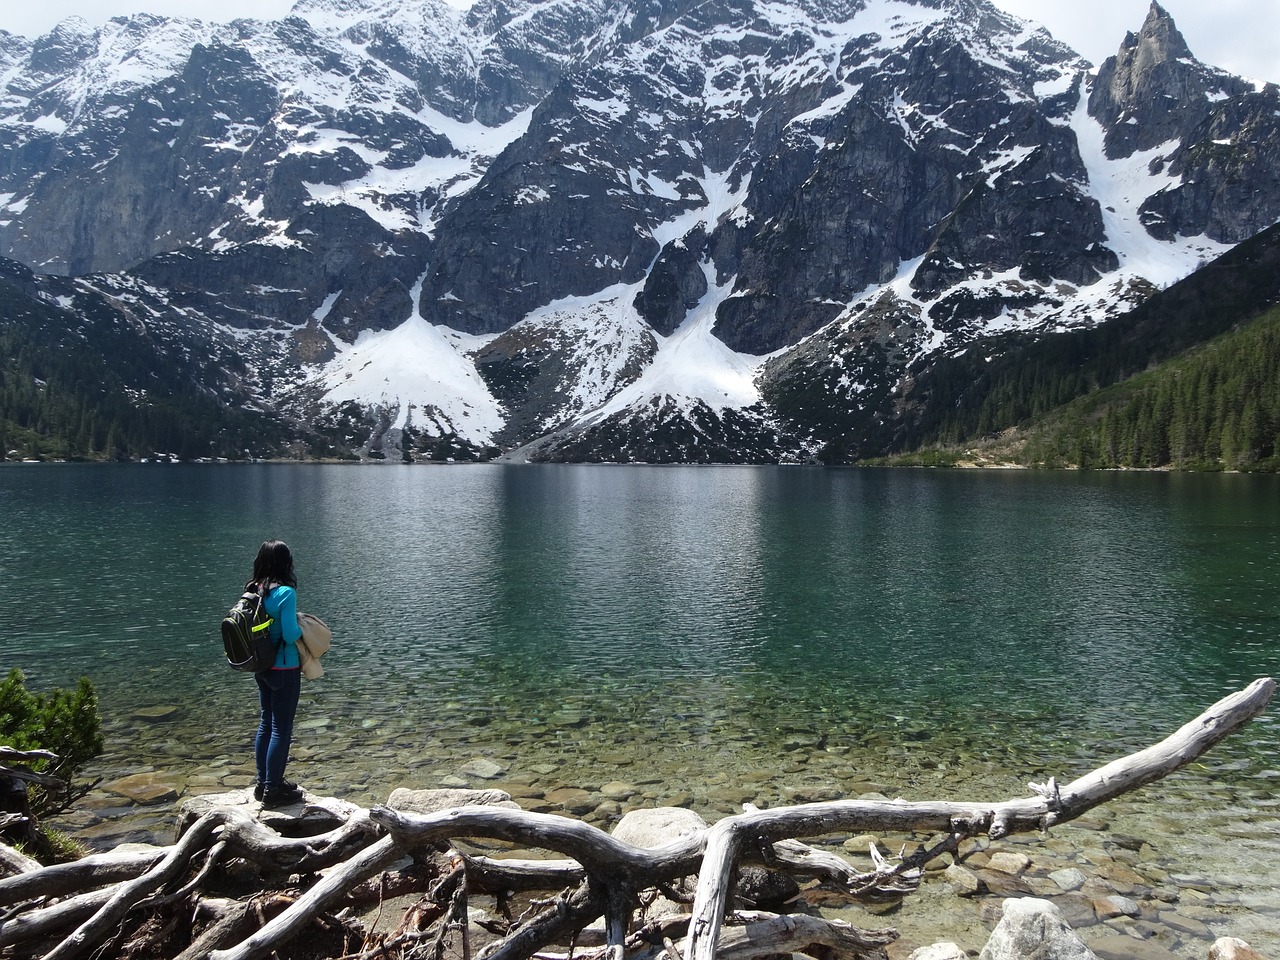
(279,687)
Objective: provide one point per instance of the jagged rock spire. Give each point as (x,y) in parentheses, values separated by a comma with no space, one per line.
(1152,89)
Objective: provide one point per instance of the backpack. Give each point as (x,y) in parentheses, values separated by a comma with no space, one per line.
(246,636)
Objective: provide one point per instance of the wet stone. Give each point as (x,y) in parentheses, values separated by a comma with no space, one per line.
(1077,910)
(535,805)
(146,789)
(1011,863)
(1121,947)
(1004,884)
(1069,878)
(1090,823)
(1185,925)
(618,790)
(573,799)
(1116,906)
(483,768)
(157,714)
(1189,881)
(963,881)
(1126,842)
(730,796)
(811,794)
(617,759)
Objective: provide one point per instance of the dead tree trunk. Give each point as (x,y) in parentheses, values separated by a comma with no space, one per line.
(606,876)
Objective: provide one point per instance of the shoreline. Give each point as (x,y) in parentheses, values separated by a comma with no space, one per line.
(1116,889)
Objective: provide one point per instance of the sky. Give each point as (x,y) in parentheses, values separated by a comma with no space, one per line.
(1237,35)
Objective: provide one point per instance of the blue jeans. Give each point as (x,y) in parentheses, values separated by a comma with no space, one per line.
(278,692)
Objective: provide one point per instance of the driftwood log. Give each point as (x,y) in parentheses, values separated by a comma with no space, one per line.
(78,909)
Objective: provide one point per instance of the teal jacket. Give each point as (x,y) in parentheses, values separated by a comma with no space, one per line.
(282,604)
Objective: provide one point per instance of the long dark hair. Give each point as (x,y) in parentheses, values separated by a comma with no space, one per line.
(275,563)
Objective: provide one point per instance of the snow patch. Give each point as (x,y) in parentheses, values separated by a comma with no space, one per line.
(1121,186)
(692,366)
(420,372)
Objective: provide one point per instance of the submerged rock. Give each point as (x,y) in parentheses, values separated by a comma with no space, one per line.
(483,768)
(963,881)
(1121,947)
(146,789)
(157,714)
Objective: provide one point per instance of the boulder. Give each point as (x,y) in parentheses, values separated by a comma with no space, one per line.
(1232,948)
(939,951)
(657,827)
(1031,927)
(766,889)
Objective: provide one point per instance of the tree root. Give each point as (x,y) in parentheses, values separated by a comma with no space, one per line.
(81,907)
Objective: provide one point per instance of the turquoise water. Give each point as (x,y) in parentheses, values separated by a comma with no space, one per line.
(707,635)
(1104,603)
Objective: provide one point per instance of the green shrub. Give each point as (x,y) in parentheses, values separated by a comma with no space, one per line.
(65,722)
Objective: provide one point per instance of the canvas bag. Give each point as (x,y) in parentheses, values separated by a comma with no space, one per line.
(313,644)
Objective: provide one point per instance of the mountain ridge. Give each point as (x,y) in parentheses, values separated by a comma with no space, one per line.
(546,229)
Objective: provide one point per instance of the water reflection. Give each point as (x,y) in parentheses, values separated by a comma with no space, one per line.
(994,606)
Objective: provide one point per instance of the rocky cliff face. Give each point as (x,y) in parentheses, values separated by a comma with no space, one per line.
(610,230)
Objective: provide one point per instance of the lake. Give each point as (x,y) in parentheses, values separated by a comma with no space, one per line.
(700,636)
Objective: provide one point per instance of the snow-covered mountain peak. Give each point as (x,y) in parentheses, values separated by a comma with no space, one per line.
(612,221)
(357,19)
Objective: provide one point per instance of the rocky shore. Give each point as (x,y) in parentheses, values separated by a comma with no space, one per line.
(1113,894)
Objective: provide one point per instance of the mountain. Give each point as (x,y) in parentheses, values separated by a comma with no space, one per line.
(725,231)
(1187,379)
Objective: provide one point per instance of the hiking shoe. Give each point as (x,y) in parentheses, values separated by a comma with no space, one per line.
(257,790)
(281,796)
